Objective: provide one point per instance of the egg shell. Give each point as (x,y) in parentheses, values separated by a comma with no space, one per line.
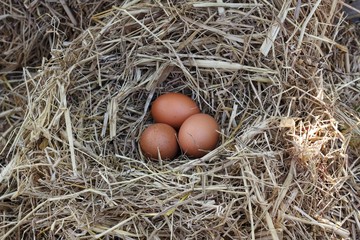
(173,109)
(198,135)
(159,138)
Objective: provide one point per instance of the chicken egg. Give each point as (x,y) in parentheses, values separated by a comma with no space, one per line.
(173,109)
(158,141)
(198,135)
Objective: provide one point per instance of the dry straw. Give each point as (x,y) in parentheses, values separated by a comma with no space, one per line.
(280,76)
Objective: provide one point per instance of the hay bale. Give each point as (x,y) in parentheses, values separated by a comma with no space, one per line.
(273,74)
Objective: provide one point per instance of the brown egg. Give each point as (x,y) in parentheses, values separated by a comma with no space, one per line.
(173,109)
(198,135)
(159,138)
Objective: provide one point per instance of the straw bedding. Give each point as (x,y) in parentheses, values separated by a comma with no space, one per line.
(280,77)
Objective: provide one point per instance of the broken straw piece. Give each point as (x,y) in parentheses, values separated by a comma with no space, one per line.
(274,30)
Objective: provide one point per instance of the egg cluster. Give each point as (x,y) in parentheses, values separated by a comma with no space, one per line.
(178,125)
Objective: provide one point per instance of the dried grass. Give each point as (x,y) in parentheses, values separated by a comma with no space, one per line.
(280,77)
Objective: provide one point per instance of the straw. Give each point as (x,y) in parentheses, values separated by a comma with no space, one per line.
(77,82)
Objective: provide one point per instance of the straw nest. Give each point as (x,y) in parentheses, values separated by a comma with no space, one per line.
(281,78)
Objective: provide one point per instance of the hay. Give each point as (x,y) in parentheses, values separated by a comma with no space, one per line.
(287,165)
(31,29)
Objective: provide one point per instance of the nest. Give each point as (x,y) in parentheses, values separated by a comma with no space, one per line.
(280,77)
